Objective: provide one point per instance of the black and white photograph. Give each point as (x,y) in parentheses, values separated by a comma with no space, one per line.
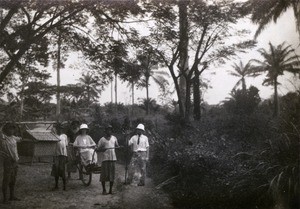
(149,104)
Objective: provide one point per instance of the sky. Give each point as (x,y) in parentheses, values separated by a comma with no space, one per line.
(221,83)
(283,30)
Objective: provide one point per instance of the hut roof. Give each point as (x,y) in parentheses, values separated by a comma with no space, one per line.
(43,135)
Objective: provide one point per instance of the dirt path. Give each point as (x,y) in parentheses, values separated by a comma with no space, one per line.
(34,187)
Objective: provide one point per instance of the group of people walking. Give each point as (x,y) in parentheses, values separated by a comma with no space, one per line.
(102,153)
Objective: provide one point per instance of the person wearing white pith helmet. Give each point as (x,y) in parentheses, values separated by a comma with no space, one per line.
(140,147)
(86,145)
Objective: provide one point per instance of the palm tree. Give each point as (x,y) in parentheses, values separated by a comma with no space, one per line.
(148,64)
(264,11)
(276,61)
(131,73)
(90,84)
(242,71)
(58,67)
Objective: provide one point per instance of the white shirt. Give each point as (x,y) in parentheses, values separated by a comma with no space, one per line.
(84,142)
(142,146)
(9,145)
(109,154)
(61,146)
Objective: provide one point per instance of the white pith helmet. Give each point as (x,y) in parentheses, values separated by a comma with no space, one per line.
(141,127)
(83,126)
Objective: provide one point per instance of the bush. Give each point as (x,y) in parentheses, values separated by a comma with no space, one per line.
(229,161)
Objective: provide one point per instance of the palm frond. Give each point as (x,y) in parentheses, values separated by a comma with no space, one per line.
(237,84)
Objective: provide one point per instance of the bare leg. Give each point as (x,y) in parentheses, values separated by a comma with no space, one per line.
(103,188)
(111,183)
(143,173)
(64,182)
(4,191)
(12,184)
(56,181)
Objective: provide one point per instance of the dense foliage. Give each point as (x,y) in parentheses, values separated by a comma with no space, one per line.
(233,159)
(235,155)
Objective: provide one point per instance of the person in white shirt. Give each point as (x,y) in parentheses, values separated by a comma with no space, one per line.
(140,147)
(106,147)
(9,152)
(61,157)
(85,145)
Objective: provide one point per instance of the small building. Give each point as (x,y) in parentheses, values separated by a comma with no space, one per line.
(37,142)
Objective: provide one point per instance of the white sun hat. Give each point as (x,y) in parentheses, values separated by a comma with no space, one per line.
(141,127)
(83,126)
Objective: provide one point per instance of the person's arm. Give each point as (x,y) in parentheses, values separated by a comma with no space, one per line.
(147,149)
(100,146)
(147,154)
(1,140)
(130,141)
(116,143)
(76,143)
(17,138)
(66,140)
(92,144)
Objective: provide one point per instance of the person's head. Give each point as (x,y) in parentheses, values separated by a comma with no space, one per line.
(58,128)
(108,130)
(75,124)
(9,129)
(83,129)
(140,129)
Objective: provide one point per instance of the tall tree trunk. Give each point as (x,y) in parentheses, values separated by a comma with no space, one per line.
(276,104)
(89,94)
(183,52)
(132,92)
(244,85)
(188,101)
(116,93)
(116,88)
(147,95)
(178,91)
(22,102)
(111,91)
(196,91)
(58,77)
(132,95)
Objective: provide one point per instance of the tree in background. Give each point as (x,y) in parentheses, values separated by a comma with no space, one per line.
(131,72)
(276,61)
(242,71)
(148,63)
(117,56)
(37,98)
(25,23)
(197,85)
(208,28)
(264,11)
(149,105)
(28,22)
(91,87)
(243,101)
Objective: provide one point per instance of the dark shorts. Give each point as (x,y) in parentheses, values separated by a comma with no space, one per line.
(60,165)
(10,170)
(108,169)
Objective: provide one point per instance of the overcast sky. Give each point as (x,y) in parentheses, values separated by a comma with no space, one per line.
(221,82)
